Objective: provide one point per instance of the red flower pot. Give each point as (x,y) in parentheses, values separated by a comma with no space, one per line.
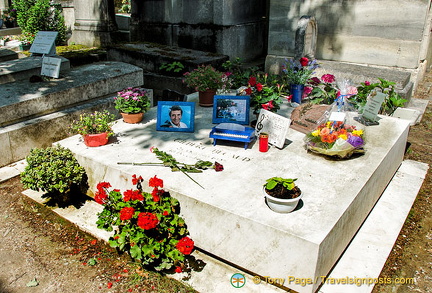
(95,140)
(132,118)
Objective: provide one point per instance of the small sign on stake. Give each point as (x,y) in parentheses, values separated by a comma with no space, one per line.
(51,66)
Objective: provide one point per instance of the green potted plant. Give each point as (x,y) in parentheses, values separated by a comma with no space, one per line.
(94,127)
(297,73)
(206,80)
(282,195)
(132,102)
(146,225)
(55,171)
(26,40)
(266,92)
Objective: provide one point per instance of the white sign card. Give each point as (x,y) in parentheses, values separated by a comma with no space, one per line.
(44,43)
(373,105)
(274,125)
(51,66)
(337,116)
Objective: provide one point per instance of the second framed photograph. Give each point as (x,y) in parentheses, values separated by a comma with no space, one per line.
(231,109)
(175,116)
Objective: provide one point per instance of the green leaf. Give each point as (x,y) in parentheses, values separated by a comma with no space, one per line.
(32,283)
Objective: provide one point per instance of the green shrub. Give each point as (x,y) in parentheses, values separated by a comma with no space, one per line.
(53,170)
(41,15)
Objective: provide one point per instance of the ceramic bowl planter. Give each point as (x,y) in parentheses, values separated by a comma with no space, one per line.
(132,118)
(282,196)
(281,205)
(95,140)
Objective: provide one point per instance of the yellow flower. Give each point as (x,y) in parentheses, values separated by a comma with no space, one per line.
(316,132)
(358,132)
(343,136)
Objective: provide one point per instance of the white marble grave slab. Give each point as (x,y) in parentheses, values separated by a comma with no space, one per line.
(229,217)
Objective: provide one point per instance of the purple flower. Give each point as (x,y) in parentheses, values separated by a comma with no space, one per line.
(355,141)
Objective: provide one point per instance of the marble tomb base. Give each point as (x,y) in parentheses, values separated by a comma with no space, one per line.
(229,217)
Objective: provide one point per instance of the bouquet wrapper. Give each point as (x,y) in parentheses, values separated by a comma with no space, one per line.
(337,133)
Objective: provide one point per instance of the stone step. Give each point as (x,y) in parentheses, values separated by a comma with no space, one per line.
(38,114)
(7,54)
(22,99)
(24,68)
(150,57)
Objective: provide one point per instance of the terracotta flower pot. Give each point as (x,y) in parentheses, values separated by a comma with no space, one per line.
(132,118)
(206,98)
(95,140)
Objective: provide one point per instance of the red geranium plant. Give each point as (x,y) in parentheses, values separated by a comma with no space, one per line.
(146,225)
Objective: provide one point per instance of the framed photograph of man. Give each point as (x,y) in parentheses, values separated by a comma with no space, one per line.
(175,116)
(233,109)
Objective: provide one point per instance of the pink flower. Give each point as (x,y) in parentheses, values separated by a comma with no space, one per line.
(352,90)
(328,78)
(367,82)
(307,90)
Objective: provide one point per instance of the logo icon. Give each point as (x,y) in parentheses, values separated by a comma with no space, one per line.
(238,280)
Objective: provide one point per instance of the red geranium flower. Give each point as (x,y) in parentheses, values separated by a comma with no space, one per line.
(252,81)
(135,180)
(178,269)
(259,87)
(156,193)
(126,213)
(101,196)
(155,182)
(165,213)
(304,61)
(248,91)
(147,221)
(132,195)
(185,245)
(102,185)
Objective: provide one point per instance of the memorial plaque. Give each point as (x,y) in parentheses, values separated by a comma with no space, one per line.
(44,43)
(373,105)
(305,117)
(274,125)
(51,66)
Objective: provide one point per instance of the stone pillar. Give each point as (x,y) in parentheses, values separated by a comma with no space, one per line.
(4,4)
(94,22)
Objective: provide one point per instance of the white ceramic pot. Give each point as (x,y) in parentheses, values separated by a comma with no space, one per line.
(281,205)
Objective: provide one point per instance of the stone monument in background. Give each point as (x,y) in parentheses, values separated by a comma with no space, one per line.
(237,28)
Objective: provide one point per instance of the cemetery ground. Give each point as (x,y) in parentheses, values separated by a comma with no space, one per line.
(41,252)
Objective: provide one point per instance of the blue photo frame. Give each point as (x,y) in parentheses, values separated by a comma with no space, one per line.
(175,116)
(231,109)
